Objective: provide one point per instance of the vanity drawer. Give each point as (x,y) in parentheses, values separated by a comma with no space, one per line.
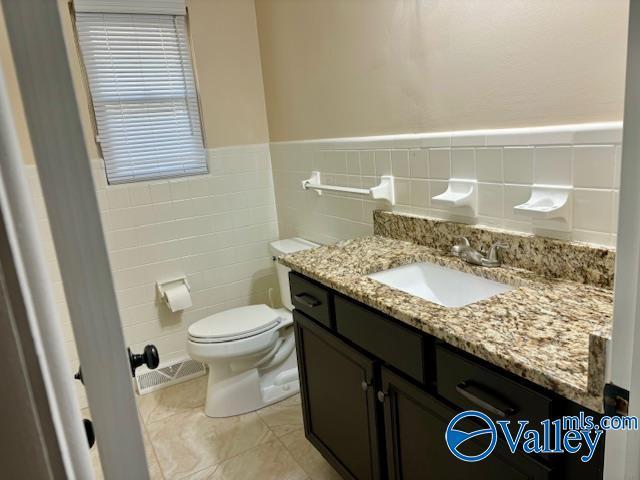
(311,299)
(474,387)
(399,346)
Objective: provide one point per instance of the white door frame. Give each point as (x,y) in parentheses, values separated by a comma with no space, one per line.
(43,434)
(46,87)
(622,449)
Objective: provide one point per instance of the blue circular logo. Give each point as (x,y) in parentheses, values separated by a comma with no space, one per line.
(456,437)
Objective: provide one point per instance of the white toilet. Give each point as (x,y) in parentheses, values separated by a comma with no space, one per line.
(250,350)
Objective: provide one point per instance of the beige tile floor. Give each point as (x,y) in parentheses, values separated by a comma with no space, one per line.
(182,443)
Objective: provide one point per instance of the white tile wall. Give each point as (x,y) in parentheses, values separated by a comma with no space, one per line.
(552,165)
(505,162)
(214,228)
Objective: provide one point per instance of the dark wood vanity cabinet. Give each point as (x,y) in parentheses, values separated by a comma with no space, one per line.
(378,395)
(415,424)
(338,401)
(388,340)
(311,299)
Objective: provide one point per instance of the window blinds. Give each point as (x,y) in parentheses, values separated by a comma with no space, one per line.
(168,7)
(143,93)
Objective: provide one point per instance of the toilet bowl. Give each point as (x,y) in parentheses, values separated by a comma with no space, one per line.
(249,351)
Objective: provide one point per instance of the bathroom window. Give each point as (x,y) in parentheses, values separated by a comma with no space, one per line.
(143,90)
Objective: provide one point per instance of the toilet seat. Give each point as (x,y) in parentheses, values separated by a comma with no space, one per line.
(235,324)
(250,351)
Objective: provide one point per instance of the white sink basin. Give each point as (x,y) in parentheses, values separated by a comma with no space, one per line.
(441,285)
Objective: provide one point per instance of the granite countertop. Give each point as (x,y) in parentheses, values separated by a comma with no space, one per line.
(552,332)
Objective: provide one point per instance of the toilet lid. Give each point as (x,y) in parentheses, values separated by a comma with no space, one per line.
(236,323)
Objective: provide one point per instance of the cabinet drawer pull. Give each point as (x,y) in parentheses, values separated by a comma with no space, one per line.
(477,395)
(307,300)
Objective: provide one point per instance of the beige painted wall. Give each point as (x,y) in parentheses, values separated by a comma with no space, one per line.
(227,56)
(336,68)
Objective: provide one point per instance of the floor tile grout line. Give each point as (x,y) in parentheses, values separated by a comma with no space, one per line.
(172,414)
(218,464)
(153,448)
(147,435)
(279,439)
(145,425)
(258,413)
(215,467)
(293,457)
(255,447)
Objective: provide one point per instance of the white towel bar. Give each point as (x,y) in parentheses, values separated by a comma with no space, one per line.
(385,190)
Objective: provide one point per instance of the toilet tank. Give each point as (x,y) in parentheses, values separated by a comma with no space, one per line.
(284,247)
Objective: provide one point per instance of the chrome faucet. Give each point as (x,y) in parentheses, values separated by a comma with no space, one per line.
(466,252)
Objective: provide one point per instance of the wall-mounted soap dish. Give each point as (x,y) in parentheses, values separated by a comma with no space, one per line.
(547,202)
(461,192)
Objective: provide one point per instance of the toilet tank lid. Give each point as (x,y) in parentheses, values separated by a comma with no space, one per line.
(235,323)
(290,245)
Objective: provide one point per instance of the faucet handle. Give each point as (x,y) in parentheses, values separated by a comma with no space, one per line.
(462,243)
(493,251)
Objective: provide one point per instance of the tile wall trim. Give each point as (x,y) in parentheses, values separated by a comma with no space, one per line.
(582,133)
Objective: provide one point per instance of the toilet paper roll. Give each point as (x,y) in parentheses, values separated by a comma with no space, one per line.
(177,297)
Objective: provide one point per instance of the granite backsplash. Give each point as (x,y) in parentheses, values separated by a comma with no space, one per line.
(551,258)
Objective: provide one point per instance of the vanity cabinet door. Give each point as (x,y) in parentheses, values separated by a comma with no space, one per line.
(338,400)
(415,425)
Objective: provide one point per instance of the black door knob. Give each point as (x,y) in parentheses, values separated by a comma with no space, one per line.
(78,375)
(88,429)
(148,357)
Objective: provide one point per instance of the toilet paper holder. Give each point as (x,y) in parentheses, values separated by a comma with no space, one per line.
(165,284)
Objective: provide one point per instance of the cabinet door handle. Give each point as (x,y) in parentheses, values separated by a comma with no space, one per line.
(307,300)
(485,400)
(381,396)
(364,385)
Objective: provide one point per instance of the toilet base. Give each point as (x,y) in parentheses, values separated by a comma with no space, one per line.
(250,390)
